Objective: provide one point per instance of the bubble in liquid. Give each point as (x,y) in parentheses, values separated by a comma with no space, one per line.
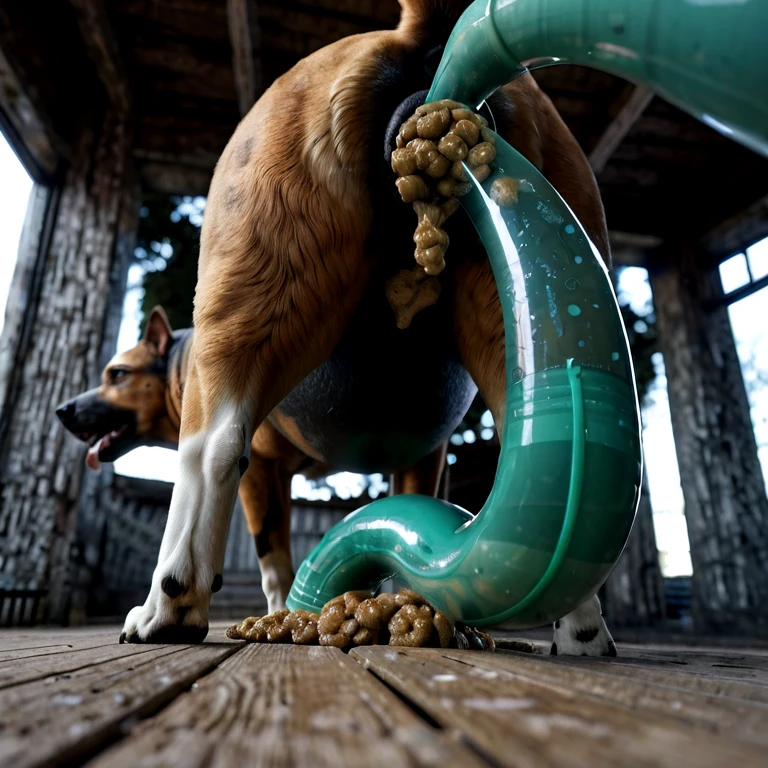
(570,229)
(578,259)
(614,356)
(573,310)
(572,283)
(581,343)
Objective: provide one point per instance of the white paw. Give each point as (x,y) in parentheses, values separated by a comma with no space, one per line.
(170,615)
(583,632)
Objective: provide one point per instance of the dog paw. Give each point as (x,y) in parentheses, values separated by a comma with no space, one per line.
(583,633)
(164,620)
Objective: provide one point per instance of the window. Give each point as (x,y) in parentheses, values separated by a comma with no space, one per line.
(15,188)
(745,273)
(749,321)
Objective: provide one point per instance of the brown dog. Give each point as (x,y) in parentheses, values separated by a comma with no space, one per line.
(295,349)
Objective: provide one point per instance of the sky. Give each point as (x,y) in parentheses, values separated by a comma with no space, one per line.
(748,318)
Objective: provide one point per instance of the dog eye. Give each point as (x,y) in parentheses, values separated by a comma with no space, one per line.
(117,374)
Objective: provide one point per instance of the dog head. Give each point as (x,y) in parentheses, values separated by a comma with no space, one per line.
(130,408)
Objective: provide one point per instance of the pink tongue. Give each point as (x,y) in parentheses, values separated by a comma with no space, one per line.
(92,459)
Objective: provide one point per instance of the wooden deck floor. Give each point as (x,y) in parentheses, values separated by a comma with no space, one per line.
(76,697)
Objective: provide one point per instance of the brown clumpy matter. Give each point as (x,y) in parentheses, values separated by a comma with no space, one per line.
(403,619)
(431,146)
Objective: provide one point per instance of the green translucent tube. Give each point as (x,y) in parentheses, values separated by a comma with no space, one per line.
(707,57)
(568,479)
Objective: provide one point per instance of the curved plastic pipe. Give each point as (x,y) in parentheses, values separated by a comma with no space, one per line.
(568,479)
(707,57)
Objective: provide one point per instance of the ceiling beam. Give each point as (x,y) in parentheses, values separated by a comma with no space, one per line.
(245,37)
(619,127)
(631,250)
(27,131)
(738,232)
(101,44)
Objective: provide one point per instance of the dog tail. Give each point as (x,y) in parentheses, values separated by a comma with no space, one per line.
(430,18)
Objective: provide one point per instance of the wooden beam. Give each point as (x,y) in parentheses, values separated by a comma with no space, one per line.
(24,127)
(101,44)
(175,179)
(738,232)
(245,36)
(619,128)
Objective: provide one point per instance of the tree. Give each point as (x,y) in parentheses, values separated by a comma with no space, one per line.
(167,249)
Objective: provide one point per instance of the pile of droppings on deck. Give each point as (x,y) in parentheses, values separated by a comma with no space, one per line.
(403,619)
(432,147)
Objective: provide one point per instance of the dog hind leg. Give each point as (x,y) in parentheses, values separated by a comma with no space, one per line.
(265,493)
(423,477)
(583,632)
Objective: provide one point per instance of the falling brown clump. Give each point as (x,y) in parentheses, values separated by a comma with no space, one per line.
(403,619)
(431,146)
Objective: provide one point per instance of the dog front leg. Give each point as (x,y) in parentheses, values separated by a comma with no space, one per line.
(189,568)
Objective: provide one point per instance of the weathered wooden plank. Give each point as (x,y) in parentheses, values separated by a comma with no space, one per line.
(287,706)
(728,681)
(32,639)
(614,134)
(101,43)
(718,714)
(519,720)
(740,665)
(68,717)
(105,649)
(245,35)
(27,131)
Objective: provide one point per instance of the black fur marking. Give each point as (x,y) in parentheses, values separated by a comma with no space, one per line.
(243,464)
(557,624)
(243,152)
(171,587)
(263,544)
(122,638)
(612,649)
(218,583)
(586,635)
(553,650)
(403,111)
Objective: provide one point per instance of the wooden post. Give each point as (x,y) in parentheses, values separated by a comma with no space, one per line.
(725,501)
(633,596)
(57,353)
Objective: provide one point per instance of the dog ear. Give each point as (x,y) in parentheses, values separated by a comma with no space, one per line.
(158,333)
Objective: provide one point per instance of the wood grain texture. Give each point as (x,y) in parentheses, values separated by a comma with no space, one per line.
(287,706)
(720,714)
(726,508)
(730,680)
(44,637)
(518,720)
(57,356)
(101,43)
(73,713)
(635,105)
(245,35)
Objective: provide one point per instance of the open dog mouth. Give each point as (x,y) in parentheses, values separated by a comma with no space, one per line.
(99,448)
